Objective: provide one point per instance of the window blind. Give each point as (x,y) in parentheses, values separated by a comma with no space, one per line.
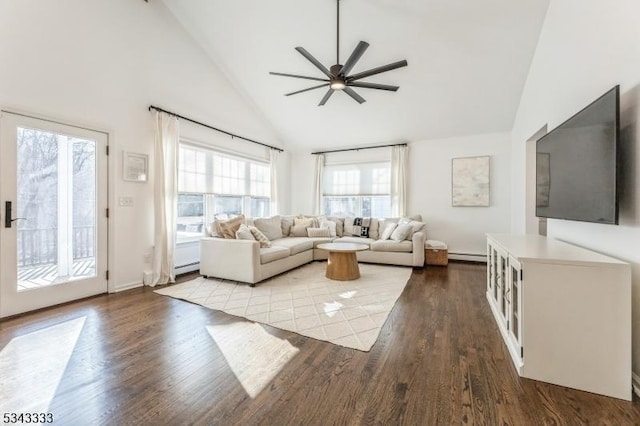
(357,179)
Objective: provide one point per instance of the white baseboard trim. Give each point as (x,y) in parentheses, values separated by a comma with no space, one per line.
(127,286)
(636,383)
(468,257)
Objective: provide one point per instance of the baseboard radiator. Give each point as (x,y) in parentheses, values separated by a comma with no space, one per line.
(189,267)
(470,257)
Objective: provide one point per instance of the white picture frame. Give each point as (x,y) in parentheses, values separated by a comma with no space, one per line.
(135,167)
(470,181)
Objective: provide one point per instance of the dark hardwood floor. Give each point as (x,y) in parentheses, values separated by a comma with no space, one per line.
(140,358)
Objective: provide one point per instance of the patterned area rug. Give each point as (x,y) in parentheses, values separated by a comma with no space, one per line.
(346,313)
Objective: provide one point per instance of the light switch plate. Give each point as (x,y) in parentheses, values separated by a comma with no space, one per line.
(126,201)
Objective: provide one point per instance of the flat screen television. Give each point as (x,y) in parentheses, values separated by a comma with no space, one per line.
(576,165)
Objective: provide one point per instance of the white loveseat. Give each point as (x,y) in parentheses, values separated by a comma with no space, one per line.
(245,261)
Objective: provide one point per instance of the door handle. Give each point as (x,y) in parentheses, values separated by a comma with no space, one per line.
(7,215)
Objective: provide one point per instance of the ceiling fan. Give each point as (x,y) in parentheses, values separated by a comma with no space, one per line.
(338,77)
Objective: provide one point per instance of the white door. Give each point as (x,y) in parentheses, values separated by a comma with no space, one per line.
(53,227)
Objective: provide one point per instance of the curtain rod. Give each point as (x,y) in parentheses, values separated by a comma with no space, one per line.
(358,149)
(213,128)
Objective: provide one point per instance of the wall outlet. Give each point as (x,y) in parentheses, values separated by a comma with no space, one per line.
(125,201)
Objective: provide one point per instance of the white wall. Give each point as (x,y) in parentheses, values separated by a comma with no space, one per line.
(462,228)
(101,64)
(585,48)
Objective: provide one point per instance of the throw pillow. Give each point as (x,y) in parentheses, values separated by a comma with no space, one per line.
(264,241)
(244,233)
(388,230)
(357,226)
(415,225)
(228,228)
(316,219)
(401,232)
(298,231)
(212,229)
(331,226)
(339,225)
(270,227)
(318,232)
(286,224)
(303,222)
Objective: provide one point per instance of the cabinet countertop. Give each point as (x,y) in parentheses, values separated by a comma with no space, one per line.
(535,248)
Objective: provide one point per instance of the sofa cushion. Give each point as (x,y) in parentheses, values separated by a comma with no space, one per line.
(270,227)
(295,245)
(390,245)
(269,254)
(355,240)
(321,240)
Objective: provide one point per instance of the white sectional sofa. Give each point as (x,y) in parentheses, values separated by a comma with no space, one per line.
(245,261)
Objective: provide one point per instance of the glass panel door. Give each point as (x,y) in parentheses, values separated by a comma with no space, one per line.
(53,188)
(56,201)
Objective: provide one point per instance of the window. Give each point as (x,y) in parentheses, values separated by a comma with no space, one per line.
(211,183)
(357,190)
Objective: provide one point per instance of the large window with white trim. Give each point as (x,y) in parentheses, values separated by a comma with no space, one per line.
(213,184)
(361,189)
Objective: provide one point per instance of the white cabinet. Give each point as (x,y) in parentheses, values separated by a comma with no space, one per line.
(564,312)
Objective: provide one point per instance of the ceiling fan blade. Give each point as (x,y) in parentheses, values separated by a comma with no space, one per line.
(373,86)
(298,76)
(306,90)
(355,56)
(314,61)
(354,95)
(326,97)
(377,70)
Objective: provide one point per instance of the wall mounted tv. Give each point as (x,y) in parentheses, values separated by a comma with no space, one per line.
(576,165)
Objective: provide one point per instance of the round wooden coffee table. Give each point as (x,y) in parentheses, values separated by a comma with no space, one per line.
(343,263)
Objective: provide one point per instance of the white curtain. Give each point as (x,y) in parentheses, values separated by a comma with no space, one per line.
(399,155)
(273,159)
(165,193)
(317,185)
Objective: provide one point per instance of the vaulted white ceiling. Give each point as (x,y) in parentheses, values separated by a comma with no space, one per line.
(468,62)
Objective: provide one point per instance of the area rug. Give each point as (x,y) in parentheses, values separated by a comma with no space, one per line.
(345,313)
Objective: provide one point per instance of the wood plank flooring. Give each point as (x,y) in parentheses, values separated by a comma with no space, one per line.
(140,358)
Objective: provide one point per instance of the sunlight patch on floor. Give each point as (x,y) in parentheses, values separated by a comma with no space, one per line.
(32,365)
(348,294)
(254,355)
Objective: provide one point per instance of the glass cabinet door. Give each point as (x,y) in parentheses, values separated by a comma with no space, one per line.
(496,274)
(504,300)
(515,314)
(490,270)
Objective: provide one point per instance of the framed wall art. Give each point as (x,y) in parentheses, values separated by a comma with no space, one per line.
(470,181)
(135,167)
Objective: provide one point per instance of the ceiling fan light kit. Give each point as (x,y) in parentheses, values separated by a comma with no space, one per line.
(338,77)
